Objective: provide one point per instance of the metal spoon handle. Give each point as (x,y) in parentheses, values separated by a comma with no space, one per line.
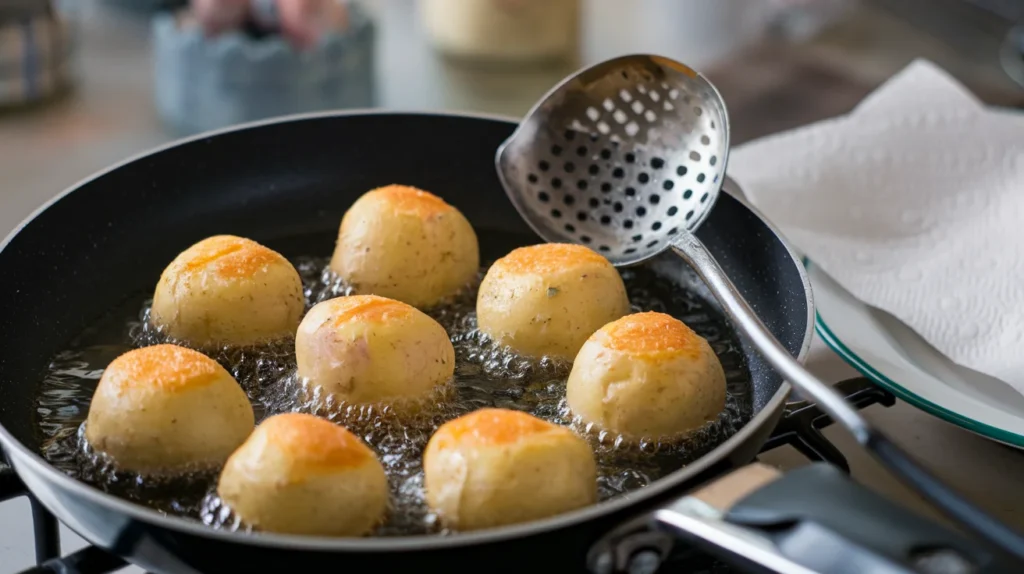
(895,459)
(693,251)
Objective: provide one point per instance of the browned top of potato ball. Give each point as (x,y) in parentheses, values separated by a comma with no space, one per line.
(314,445)
(229,256)
(491,427)
(371,309)
(549,258)
(411,200)
(166,367)
(649,334)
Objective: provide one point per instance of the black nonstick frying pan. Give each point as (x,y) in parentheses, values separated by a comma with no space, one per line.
(286,184)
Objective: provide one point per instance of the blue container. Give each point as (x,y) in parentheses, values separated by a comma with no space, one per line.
(208,83)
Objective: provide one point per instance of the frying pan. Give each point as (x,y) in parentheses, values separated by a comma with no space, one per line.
(286,183)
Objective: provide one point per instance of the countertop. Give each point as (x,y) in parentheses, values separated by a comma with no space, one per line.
(769,86)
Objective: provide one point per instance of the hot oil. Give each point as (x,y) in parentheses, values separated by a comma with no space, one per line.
(486,375)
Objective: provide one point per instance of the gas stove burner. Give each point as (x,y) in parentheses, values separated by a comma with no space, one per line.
(800,428)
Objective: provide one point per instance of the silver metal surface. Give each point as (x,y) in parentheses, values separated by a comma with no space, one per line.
(709,529)
(628,157)
(690,248)
(621,156)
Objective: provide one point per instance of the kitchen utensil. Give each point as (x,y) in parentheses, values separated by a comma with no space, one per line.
(628,157)
(286,184)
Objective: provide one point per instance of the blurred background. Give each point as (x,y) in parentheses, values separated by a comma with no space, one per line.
(86,83)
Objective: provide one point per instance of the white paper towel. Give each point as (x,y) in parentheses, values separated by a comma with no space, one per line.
(914,202)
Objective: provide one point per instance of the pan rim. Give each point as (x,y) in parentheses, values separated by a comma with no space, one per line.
(20,455)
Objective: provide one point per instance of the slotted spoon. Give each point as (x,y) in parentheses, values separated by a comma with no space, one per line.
(628,157)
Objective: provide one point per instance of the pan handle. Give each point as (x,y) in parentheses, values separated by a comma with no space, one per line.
(810,520)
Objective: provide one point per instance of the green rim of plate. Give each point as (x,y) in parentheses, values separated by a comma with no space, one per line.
(844,352)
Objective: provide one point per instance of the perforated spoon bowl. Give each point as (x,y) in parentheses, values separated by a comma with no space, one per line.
(628,157)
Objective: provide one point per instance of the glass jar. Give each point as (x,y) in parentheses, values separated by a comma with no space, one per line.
(503,30)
